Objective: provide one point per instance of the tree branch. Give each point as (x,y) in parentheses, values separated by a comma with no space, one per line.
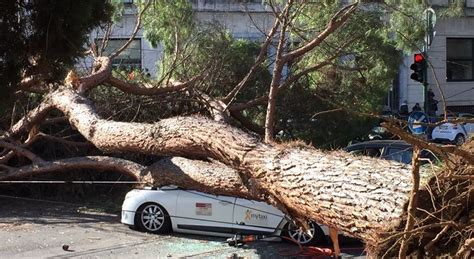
(102,71)
(260,58)
(88,162)
(263,99)
(336,21)
(215,107)
(152,90)
(316,67)
(33,117)
(252,103)
(441,150)
(21,151)
(276,75)
(105,39)
(466,249)
(32,82)
(64,141)
(134,33)
(246,123)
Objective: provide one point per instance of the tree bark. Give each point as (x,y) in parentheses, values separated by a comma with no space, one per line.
(277,75)
(208,177)
(364,197)
(412,204)
(361,196)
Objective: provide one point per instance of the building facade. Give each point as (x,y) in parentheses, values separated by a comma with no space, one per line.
(452,55)
(451,51)
(245,19)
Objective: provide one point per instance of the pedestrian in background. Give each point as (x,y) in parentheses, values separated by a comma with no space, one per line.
(416,108)
(432,104)
(404,109)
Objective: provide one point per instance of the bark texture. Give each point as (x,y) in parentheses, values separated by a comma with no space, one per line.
(209,177)
(362,196)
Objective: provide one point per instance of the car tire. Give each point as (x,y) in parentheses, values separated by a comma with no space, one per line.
(459,140)
(297,235)
(153,218)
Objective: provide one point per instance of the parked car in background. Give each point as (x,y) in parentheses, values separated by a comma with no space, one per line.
(396,150)
(172,209)
(456,133)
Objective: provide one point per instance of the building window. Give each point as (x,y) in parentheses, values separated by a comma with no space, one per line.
(129,58)
(459,59)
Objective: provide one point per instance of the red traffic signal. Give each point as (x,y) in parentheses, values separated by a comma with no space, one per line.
(418,67)
(419,58)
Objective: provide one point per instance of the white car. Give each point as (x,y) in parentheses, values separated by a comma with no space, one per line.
(171,209)
(455,133)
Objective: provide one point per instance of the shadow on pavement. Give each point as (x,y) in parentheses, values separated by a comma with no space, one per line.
(25,210)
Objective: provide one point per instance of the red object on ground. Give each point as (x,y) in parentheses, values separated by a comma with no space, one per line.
(311,251)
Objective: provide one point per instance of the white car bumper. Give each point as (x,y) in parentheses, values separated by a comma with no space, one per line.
(443,135)
(128,217)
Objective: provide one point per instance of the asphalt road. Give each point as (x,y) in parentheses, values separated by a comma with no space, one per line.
(40,229)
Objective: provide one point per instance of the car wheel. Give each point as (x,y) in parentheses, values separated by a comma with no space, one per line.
(153,218)
(314,235)
(459,140)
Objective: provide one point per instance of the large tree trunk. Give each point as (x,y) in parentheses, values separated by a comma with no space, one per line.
(361,196)
(364,197)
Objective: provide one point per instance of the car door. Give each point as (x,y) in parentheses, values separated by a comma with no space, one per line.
(205,213)
(254,217)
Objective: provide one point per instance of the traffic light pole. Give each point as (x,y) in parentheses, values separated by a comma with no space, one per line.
(425,84)
(425,70)
(429,35)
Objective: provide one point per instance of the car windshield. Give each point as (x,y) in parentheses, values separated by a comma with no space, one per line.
(399,154)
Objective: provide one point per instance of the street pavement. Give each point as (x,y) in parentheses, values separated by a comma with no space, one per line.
(43,229)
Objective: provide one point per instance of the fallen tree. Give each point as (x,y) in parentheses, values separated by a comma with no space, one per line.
(364,197)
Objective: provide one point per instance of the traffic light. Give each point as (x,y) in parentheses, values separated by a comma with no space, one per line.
(418,67)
